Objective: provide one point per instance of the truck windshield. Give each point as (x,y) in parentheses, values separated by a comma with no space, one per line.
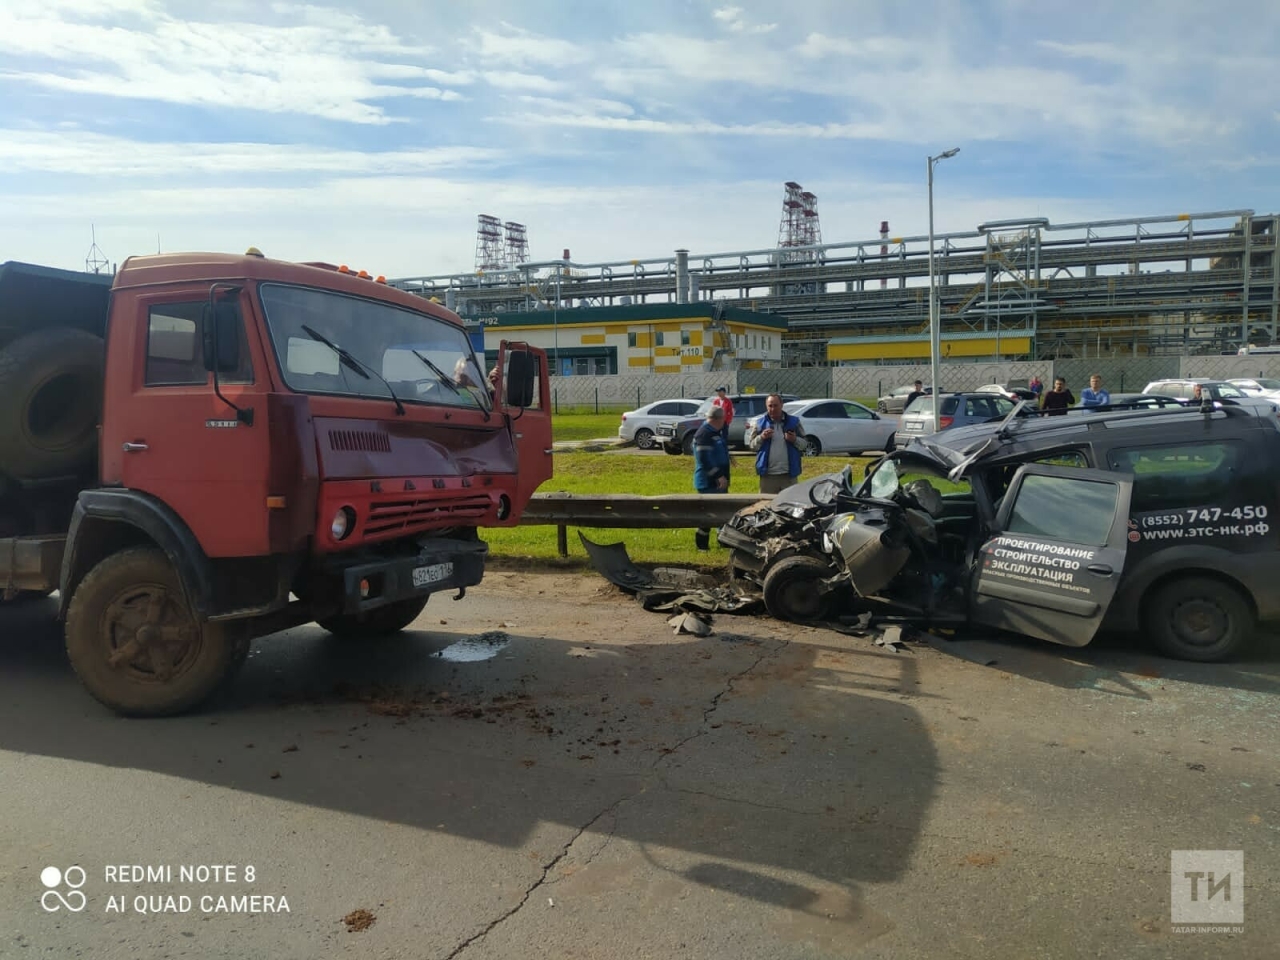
(424,360)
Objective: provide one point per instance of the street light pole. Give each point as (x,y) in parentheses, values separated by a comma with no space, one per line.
(934,336)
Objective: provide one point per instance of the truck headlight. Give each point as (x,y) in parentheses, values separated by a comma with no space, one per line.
(343,522)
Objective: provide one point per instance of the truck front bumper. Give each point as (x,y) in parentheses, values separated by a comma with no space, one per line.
(440,564)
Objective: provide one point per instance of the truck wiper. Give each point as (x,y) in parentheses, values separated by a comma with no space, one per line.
(440,374)
(352,363)
(448,380)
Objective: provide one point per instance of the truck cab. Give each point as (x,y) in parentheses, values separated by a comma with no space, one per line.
(279,443)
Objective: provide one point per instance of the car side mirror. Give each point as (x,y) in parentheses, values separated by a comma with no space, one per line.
(220,332)
(521,374)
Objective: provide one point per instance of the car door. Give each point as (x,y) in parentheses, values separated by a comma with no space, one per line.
(864,430)
(1052,566)
(827,422)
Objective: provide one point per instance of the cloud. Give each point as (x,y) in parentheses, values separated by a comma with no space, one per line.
(514,80)
(731,17)
(524,48)
(84,154)
(328,64)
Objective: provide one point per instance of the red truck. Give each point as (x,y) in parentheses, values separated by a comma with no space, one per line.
(208,448)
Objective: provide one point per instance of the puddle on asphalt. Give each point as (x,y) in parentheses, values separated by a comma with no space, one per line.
(485,646)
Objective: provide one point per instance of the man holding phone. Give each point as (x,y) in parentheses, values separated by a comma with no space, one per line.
(775,437)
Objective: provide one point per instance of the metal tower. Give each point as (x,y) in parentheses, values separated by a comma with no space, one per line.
(792,227)
(489,243)
(517,245)
(96,261)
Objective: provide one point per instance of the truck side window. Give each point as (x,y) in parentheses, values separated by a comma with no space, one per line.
(1178,475)
(1064,508)
(175,352)
(174,355)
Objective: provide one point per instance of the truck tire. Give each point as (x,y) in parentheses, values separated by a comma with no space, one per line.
(1198,618)
(51,382)
(791,589)
(135,643)
(379,622)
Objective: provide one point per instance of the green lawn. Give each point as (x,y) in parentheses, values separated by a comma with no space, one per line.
(585,426)
(647,474)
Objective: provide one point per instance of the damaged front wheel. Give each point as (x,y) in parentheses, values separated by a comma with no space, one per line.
(793,590)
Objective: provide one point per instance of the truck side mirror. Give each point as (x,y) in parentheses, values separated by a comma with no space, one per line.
(521,374)
(221,334)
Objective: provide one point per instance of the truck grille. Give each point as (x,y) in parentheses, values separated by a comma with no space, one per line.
(393,516)
(367,441)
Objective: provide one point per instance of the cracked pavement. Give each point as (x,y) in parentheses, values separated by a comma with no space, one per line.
(601,788)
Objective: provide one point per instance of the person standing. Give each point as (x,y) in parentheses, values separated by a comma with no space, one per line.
(911,397)
(724,403)
(1056,401)
(775,437)
(710,465)
(1095,395)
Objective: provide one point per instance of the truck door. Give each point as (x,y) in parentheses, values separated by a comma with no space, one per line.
(1052,567)
(529,416)
(166,433)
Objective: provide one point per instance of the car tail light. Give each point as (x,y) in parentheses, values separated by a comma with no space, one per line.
(944,422)
(624,416)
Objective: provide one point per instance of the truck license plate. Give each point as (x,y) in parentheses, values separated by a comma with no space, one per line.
(433,573)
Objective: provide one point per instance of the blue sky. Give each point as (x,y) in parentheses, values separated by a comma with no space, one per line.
(373,133)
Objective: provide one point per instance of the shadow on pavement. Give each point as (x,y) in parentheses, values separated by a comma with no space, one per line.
(772,754)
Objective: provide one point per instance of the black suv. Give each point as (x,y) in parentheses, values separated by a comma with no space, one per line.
(1159,520)
(676,436)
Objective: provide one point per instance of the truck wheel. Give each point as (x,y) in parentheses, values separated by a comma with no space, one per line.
(378,622)
(686,445)
(136,644)
(52,384)
(671,449)
(1198,618)
(791,589)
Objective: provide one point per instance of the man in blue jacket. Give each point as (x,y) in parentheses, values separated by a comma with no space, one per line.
(775,435)
(710,464)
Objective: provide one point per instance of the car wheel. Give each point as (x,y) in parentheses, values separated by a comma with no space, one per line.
(644,438)
(686,445)
(815,446)
(791,590)
(1198,618)
(671,449)
(882,406)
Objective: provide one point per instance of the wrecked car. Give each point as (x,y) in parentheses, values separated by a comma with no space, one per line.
(1151,520)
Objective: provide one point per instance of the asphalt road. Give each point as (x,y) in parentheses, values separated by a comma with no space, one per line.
(586,784)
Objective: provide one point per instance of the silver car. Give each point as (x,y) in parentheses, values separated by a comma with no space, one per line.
(1259,387)
(841,426)
(896,400)
(639,425)
(958,410)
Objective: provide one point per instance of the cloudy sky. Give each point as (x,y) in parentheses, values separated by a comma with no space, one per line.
(373,132)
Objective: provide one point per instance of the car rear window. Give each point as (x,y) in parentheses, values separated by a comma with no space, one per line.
(1182,475)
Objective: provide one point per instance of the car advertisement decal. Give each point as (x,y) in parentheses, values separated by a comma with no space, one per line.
(1193,523)
(1031,561)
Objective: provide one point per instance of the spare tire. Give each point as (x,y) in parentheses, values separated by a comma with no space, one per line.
(50,402)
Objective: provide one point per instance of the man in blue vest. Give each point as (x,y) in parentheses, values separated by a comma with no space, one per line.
(775,436)
(710,465)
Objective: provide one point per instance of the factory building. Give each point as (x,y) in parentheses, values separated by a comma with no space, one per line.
(643,338)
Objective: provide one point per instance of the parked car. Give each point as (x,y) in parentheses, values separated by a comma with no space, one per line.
(676,436)
(841,426)
(1012,393)
(1261,387)
(1160,520)
(638,425)
(896,400)
(1184,389)
(958,410)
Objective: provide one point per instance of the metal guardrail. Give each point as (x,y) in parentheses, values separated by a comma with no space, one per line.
(631,511)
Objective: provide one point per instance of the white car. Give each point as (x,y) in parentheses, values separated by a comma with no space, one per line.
(842,426)
(1261,387)
(638,425)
